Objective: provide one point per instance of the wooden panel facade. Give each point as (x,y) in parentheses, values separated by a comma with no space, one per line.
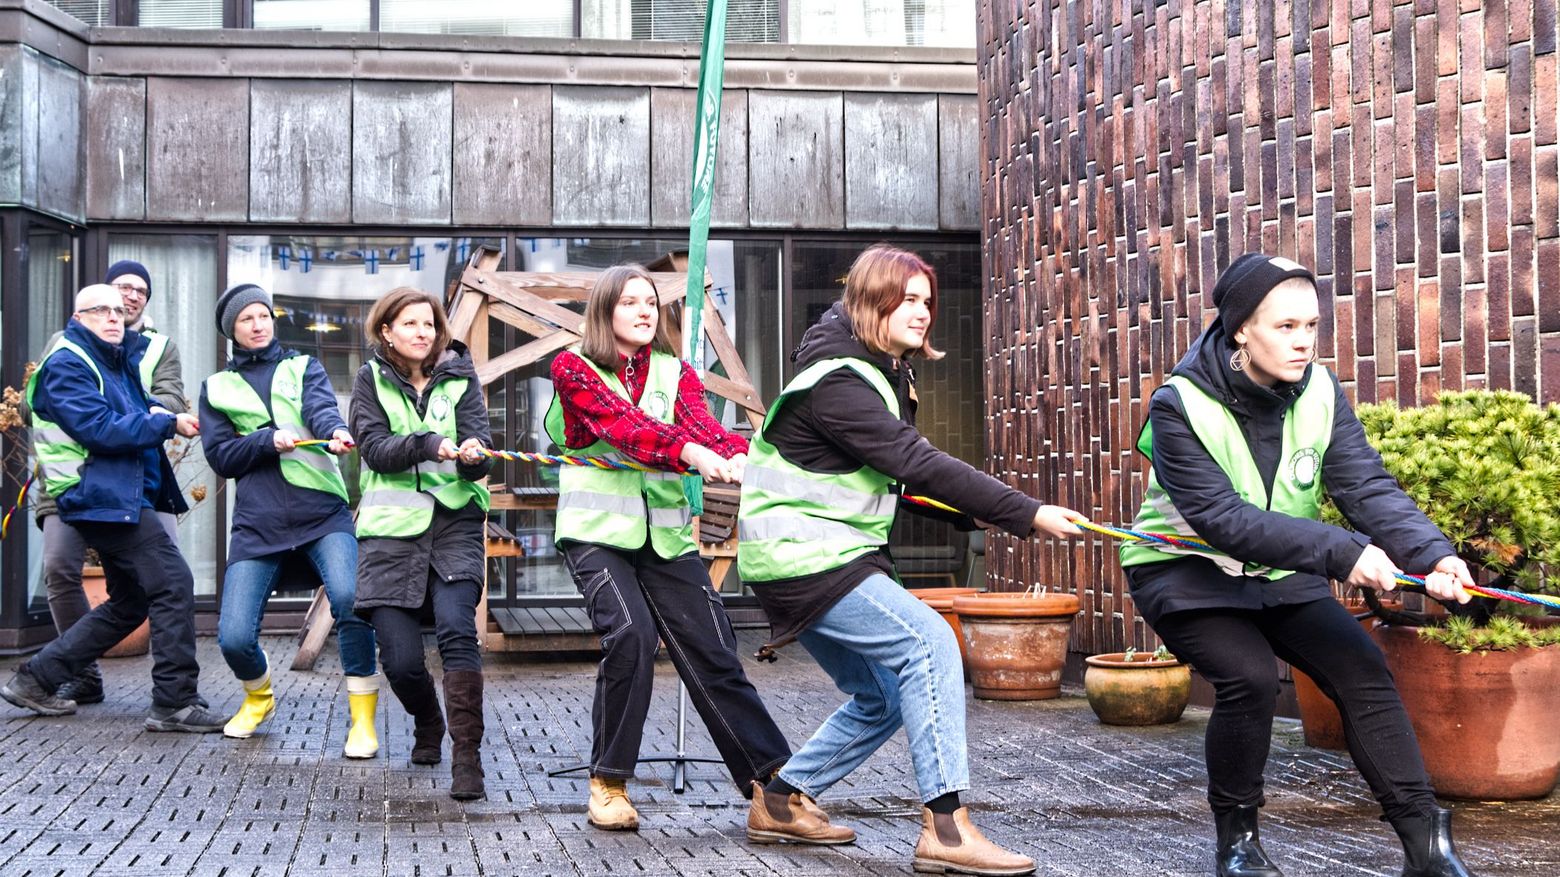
(891,161)
(797,179)
(958,161)
(116,163)
(60,185)
(402,147)
(601,156)
(672,119)
(300,151)
(197,149)
(503,154)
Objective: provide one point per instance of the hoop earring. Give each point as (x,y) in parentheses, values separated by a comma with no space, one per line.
(1240,359)
(1313,354)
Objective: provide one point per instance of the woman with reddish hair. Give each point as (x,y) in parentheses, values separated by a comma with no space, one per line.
(818,500)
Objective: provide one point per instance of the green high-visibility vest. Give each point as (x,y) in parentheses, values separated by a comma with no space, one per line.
(618,507)
(794,522)
(60,457)
(228,392)
(1297,486)
(156,346)
(399,505)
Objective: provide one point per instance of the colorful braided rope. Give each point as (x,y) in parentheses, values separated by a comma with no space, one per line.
(21,501)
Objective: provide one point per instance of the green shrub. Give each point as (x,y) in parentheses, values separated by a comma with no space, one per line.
(1504,633)
(1485,467)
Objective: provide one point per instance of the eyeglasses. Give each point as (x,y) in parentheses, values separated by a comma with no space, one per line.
(103,311)
(125,288)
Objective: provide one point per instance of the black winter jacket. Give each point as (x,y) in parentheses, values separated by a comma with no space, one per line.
(841,424)
(1351,472)
(271,515)
(394,572)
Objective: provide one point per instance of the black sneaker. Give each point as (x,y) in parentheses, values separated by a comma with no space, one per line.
(87,687)
(192,719)
(25,691)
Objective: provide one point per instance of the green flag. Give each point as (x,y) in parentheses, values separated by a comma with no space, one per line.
(706,132)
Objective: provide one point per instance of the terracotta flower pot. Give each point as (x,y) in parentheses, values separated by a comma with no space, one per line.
(941,601)
(1017,643)
(139,640)
(1137,692)
(1319,716)
(1485,721)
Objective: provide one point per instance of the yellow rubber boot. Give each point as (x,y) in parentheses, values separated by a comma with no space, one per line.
(258,706)
(363,704)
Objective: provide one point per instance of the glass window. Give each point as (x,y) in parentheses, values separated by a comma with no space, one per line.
(883,22)
(323,288)
(50,276)
(337,15)
(533,18)
(749,21)
(180,13)
(184,295)
(93,12)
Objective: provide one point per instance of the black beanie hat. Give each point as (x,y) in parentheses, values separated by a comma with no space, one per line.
(127,266)
(1248,280)
(231,303)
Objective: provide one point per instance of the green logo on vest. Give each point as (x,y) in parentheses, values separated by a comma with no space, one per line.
(439,407)
(656,404)
(1303,467)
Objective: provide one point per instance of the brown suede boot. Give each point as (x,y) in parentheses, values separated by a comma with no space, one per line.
(463,701)
(951,844)
(773,818)
(609,808)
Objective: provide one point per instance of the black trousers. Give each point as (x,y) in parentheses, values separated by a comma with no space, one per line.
(1235,649)
(399,633)
(147,578)
(637,598)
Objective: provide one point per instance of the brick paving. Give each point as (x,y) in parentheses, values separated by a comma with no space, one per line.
(95,794)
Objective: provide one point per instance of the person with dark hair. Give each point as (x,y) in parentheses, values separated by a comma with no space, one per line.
(819,497)
(421,424)
(99,441)
(1245,437)
(627,539)
(291,502)
(155,359)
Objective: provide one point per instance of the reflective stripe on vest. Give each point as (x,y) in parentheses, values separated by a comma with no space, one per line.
(60,457)
(1297,486)
(794,522)
(156,346)
(619,507)
(229,393)
(399,505)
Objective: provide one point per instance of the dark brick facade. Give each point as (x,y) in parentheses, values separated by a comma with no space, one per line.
(1406,152)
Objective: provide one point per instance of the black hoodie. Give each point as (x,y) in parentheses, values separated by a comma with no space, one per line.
(1352,474)
(842,424)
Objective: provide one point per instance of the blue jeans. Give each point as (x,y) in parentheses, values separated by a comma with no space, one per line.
(899,662)
(248,584)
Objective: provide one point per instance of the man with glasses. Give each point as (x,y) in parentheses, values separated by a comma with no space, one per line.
(156,361)
(99,441)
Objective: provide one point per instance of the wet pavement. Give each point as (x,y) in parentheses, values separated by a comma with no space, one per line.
(95,794)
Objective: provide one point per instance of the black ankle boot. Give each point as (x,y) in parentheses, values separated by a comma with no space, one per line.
(87,687)
(1240,851)
(1428,850)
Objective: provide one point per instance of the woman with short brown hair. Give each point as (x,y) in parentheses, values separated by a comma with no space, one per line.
(421,425)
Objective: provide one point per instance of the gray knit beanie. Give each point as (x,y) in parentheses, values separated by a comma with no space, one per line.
(231,303)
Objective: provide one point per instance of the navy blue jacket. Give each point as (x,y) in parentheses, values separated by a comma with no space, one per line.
(1352,474)
(126,469)
(270,515)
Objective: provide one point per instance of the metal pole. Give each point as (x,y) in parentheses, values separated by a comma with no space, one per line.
(680,768)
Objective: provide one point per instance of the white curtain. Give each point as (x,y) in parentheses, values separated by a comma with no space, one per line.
(184,298)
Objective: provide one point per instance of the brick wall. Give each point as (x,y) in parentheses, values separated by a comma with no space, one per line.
(1406,152)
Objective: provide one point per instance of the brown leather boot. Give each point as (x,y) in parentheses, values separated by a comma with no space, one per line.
(951,844)
(610,809)
(773,818)
(463,701)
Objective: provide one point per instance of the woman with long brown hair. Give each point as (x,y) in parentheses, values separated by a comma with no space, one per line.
(421,426)
(627,538)
(818,502)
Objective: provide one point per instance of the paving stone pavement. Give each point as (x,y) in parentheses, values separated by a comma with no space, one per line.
(95,794)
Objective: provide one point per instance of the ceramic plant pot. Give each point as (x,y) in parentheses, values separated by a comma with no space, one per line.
(1017,643)
(1137,692)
